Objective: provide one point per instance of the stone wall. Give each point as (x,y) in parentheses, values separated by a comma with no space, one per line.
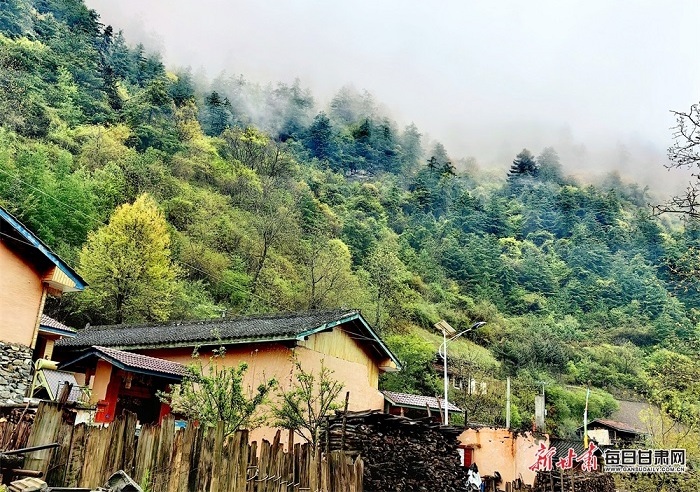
(15,371)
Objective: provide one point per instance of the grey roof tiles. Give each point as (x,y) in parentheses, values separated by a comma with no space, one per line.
(190,333)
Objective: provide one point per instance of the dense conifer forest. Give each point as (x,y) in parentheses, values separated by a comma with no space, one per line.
(180,199)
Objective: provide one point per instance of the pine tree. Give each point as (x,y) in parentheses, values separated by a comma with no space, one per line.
(524,164)
(218,114)
(320,138)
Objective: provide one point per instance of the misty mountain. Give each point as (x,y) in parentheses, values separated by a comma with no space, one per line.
(273,201)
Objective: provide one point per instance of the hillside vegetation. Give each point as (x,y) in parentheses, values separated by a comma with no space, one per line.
(177,200)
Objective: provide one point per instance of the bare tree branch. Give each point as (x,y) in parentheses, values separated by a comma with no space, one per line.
(685,153)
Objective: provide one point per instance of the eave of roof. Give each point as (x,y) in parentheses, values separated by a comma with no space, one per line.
(365,325)
(101,353)
(30,237)
(618,426)
(394,398)
(50,325)
(205,343)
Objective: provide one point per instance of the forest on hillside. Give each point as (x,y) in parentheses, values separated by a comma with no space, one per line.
(176,199)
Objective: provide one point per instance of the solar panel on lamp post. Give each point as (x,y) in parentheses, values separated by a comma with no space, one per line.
(445,327)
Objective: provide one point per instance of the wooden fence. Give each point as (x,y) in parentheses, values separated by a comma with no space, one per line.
(194,459)
(556,481)
(15,426)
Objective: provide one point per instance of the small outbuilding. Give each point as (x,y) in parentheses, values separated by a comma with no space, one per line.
(612,433)
(416,406)
(125,381)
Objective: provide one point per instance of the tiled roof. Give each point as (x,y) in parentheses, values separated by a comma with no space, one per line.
(52,323)
(406,400)
(138,362)
(563,445)
(228,331)
(618,426)
(189,333)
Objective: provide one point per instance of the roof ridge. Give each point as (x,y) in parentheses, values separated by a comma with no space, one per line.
(214,321)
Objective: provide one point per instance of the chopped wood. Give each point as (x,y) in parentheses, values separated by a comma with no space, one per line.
(400,454)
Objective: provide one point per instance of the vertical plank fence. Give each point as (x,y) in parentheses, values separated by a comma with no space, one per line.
(15,427)
(197,459)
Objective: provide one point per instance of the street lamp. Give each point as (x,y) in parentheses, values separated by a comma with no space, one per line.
(446,329)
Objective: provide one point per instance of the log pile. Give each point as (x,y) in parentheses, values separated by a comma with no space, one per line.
(399,454)
(573,482)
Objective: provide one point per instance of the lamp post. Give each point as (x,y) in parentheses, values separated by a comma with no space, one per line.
(447,329)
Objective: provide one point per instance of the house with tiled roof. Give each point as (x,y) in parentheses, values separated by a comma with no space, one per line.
(127,378)
(50,331)
(416,406)
(607,432)
(29,272)
(341,340)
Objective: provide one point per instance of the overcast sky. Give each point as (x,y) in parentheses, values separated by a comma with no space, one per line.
(593,78)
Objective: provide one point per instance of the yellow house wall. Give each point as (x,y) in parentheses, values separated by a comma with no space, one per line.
(503,451)
(339,345)
(350,364)
(21,292)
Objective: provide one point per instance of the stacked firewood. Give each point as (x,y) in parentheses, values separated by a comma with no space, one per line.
(573,482)
(399,454)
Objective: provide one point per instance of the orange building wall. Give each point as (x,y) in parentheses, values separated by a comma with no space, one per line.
(350,363)
(103,375)
(503,451)
(21,292)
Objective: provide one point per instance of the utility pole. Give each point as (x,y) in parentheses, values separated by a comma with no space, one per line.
(508,403)
(446,329)
(585,419)
(540,411)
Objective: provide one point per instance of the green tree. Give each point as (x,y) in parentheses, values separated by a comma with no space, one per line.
(387,275)
(674,386)
(549,165)
(128,267)
(418,375)
(665,433)
(275,218)
(217,393)
(305,405)
(15,17)
(524,164)
(320,139)
(329,278)
(412,151)
(217,115)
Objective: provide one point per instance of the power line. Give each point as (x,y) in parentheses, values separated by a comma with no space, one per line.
(239,288)
(17,239)
(49,196)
